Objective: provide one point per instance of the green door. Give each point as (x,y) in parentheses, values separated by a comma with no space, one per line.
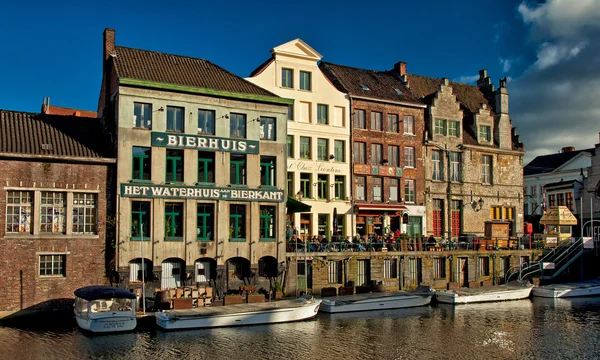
(414,226)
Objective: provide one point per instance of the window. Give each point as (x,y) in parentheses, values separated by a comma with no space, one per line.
(390,269)
(439,268)
(267,128)
(142,163)
(305,80)
(84,213)
(322,149)
(409,157)
(290,184)
(409,125)
(436,160)
(287,78)
(534,190)
(290,115)
(142,115)
(334,270)
(237,125)
(393,185)
(359,119)
(174,118)
(338,150)
(359,183)
(304,147)
(377,193)
(484,266)
(569,203)
(140,220)
(237,169)
(323,226)
(339,116)
(237,223)
(173,221)
(267,171)
(453,128)
(486,169)
(267,223)
(305,112)
(52,212)
(440,127)
(392,123)
(206,167)
(18,211)
(409,190)
(438,207)
(393,155)
(376,154)
(485,133)
(174,169)
(322,186)
(53,265)
(305,184)
(552,200)
(454,166)
(322,114)
(360,153)
(340,187)
(560,199)
(456,217)
(206,122)
(290,146)
(501,213)
(376,121)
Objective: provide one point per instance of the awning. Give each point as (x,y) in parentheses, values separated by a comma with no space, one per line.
(378,209)
(295,206)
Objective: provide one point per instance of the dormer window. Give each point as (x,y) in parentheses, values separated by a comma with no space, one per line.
(485,133)
(453,128)
(364,87)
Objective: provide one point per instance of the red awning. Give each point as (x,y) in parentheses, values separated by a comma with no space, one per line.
(379,209)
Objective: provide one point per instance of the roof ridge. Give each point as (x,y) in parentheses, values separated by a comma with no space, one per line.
(160,52)
(354,67)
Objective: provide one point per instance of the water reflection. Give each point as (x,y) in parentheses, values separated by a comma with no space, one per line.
(538,328)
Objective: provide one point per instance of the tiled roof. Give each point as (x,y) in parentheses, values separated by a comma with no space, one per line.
(548,163)
(384,85)
(180,70)
(55,135)
(262,67)
(59,110)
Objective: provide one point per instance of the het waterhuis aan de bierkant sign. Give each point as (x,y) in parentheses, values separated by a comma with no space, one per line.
(210,143)
(200,193)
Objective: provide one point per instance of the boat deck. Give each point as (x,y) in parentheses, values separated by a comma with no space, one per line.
(572,286)
(485,290)
(235,309)
(373,296)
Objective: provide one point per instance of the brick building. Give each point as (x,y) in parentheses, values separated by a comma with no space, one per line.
(55,177)
(200,173)
(387,137)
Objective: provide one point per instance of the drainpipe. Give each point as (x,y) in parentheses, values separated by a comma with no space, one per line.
(351,162)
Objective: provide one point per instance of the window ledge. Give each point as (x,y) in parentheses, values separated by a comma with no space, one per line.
(239,186)
(204,240)
(174,238)
(205,134)
(52,277)
(49,236)
(142,128)
(266,240)
(174,131)
(139,181)
(174,182)
(204,183)
(267,187)
(137,238)
(237,240)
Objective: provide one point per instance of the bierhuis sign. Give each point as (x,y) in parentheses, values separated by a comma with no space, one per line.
(200,193)
(209,143)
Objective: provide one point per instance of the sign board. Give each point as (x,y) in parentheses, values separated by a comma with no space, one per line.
(558,215)
(206,143)
(551,240)
(548,266)
(200,193)
(377,170)
(588,242)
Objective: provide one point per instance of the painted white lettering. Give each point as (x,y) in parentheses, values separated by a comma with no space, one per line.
(213,143)
(145,190)
(136,190)
(190,141)
(225,144)
(180,142)
(156,191)
(202,143)
(172,140)
(234,194)
(242,146)
(128,190)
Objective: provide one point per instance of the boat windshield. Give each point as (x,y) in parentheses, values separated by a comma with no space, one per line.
(81,306)
(112,305)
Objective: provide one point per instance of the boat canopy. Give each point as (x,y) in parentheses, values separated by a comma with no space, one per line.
(90,293)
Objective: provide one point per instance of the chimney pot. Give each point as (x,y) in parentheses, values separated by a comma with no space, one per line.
(567,149)
(109,42)
(446,81)
(400,68)
(482,74)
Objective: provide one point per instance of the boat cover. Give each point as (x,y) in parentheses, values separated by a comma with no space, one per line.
(90,293)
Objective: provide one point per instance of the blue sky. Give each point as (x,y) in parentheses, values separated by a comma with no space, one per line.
(54,49)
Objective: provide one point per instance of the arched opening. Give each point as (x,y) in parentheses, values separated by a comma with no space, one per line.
(205,270)
(173,273)
(267,267)
(238,273)
(139,271)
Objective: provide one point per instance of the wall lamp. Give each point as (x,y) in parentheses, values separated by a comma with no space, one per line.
(161,109)
(477,205)
(299,195)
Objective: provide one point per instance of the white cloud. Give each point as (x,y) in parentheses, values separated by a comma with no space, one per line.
(506,64)
(551,54)
(561,18)
(467,79)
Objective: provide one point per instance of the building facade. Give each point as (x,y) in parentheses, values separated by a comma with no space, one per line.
(589,205)
(473,159)
(201,170)
(387,138)
(56,179)
(318,140)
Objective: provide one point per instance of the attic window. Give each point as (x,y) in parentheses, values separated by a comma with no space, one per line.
(46,146)
(364,87)
(398,91)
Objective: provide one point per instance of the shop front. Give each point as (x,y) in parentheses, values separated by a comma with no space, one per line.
(378,220)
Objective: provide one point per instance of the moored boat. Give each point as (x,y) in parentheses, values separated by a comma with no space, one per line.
(514,290)
(281,311)
(105,309)
(377,301)
(579,289)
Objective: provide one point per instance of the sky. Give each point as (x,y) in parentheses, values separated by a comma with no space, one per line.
(548,50)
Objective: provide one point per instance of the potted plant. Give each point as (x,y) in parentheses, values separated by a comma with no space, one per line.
(278,290)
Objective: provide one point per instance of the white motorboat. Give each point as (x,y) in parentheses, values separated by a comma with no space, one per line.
(105,309)
(585,288)
(281,311)
(377,301)
(514,290)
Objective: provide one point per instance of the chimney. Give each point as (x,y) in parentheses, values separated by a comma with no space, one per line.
(46,105)
(404,80)
(484,82)
(567,149)
(400,68)
(109,42)
(446,81)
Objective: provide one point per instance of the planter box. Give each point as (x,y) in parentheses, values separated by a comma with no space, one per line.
(474,284)
(185,303)
(363,289)
(232,299)
(255,298)
(487,283)
(279,295)
(346,290)
(453,285)
(328,291)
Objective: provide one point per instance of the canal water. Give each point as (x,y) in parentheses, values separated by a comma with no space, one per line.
(525,329)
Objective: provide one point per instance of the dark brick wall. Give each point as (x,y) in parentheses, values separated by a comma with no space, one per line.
(85,261)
